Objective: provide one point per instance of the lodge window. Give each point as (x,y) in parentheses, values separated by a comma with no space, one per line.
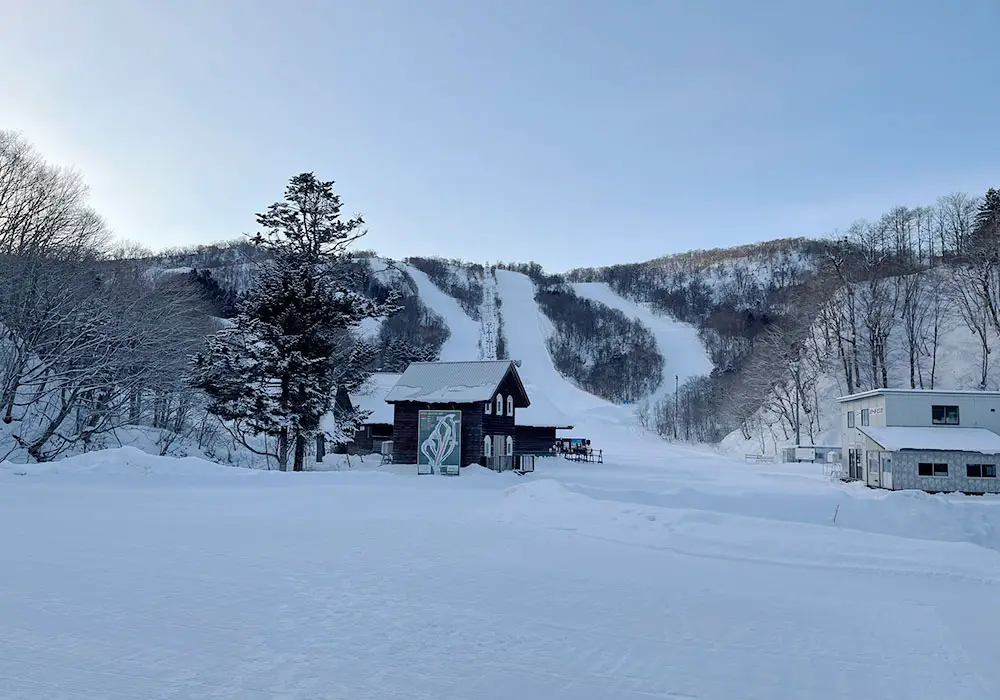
(510,405)
(864,416)
(489,408)
(929,469)
(944,415)
(510,445)
(499,405)
(981,471)
(850,419)
(487,447)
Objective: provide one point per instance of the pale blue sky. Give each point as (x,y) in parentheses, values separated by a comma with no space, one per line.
(572,132)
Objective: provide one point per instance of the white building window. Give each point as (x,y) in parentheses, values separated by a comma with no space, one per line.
(981,471)
(499,405)
(489,408)
(510,445)
(864,416)
(928,469)
(510,405)
(487,447)
(850,419)
(944,415)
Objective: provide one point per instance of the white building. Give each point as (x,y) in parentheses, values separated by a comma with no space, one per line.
(922,439)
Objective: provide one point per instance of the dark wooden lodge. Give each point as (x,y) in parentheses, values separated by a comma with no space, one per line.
(377,427)
(488,394)
(535,428)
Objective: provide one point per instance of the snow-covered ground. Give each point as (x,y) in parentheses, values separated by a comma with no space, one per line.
(684,355)
(675,575)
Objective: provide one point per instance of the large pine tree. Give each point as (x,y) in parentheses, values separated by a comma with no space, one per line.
(277,369)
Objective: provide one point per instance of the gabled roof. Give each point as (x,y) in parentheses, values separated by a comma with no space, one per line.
(455,382)
(541,414)
(935,439)
(371,397)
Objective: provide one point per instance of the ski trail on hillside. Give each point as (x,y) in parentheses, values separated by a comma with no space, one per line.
(683,353)
(463,343)
(527,330)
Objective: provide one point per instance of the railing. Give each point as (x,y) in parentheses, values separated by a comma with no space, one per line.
(760,459)
(507,463)
(586,455)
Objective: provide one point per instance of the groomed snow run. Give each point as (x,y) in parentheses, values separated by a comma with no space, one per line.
(677,576)
(684,355)
(463,342)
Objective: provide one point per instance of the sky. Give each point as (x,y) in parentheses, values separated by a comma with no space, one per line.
(570,132)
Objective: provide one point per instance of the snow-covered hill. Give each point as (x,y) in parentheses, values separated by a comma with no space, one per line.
(683,352)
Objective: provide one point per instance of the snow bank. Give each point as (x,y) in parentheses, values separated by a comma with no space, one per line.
(123,462)
(675,576)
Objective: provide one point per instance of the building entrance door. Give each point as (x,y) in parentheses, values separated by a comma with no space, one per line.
(873,471)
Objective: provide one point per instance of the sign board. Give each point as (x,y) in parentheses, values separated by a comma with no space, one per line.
(805,454)
(439,442)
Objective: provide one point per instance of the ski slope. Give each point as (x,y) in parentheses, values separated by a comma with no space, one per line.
(527,330)
(463,342)
(683,353)
(677,576)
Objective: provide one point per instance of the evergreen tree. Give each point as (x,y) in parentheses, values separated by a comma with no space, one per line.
(987,222)
(277,369)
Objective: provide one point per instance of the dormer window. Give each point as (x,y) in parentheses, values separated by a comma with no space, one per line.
(510,405)
(499,405)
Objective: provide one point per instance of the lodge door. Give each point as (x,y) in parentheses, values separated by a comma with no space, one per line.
(499,444)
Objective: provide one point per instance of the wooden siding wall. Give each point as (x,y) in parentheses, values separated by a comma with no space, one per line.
(404,431)
(364,439)
(533,441)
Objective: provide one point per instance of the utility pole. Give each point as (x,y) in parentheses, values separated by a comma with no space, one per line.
(677,415)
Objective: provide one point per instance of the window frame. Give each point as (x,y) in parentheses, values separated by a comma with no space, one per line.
(865,419)
(850,419)
(509,445)
(487,446)
(489,408)
(510,405)
(499,401)
(945,413)
(934,470)
(986,471)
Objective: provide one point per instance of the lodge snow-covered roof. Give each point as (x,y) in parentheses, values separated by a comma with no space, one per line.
(451,382)
(371,397)
(935,439)
(541,414)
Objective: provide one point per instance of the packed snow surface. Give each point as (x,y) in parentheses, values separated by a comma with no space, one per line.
(674,575)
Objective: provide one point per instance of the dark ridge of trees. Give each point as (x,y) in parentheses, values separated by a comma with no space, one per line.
(466,288)
(600,348)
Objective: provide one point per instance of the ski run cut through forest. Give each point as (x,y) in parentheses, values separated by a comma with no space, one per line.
(186,515)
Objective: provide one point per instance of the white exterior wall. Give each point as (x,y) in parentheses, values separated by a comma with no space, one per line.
(912,410)
(876,406)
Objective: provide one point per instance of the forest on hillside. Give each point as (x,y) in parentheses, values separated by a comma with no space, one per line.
(96,335)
